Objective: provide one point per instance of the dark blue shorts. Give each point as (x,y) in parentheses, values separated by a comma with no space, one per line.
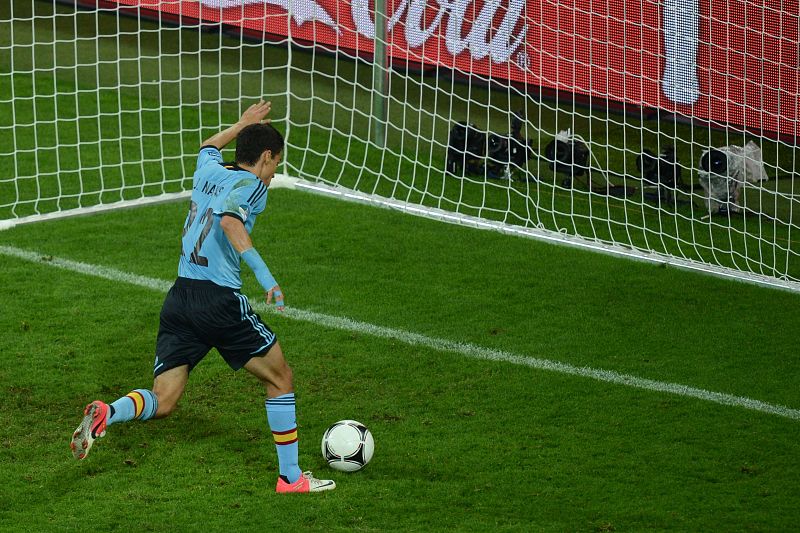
(198,315)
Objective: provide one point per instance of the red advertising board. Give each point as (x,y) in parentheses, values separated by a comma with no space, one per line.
(734,62)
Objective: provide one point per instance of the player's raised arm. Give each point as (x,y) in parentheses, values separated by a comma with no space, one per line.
(255,114)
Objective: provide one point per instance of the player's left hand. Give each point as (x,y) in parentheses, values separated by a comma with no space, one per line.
(256,113)
(278,294)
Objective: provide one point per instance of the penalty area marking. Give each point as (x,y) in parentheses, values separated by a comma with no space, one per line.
(416,339)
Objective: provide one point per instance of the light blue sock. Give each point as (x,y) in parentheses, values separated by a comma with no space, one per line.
(283,424)
(139,403)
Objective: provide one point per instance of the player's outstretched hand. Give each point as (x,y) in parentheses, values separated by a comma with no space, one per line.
(278,294)
(256,113)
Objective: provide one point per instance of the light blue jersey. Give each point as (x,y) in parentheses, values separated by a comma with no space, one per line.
(217,190)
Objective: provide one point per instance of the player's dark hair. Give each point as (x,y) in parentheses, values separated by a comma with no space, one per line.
(254,140)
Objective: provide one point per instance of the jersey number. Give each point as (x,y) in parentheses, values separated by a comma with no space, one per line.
(206,219)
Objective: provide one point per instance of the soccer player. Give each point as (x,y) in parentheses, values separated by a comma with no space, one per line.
(204,307)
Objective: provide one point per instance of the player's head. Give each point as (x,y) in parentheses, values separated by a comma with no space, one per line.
(259,148)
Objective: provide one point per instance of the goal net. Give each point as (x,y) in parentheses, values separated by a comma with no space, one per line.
(664,131)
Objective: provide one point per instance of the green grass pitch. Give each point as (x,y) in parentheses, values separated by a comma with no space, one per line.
(461,444)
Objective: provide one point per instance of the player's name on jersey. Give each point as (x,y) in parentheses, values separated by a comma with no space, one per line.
(211,189)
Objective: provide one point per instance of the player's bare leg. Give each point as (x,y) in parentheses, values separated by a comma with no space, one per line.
(168,388)
(273,371)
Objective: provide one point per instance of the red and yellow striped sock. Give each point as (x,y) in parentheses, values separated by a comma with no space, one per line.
(139,403)
(283,424)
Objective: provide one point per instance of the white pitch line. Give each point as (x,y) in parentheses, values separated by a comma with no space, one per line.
(416,339)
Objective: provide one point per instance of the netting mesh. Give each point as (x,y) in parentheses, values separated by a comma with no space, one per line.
(661,128)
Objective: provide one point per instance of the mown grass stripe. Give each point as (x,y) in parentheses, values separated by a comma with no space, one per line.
(416,339)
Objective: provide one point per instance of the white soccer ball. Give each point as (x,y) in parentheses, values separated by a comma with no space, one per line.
(347,445)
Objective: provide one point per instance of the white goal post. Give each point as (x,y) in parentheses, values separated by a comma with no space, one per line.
(662,131)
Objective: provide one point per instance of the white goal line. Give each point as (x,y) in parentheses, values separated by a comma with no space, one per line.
(416,339)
